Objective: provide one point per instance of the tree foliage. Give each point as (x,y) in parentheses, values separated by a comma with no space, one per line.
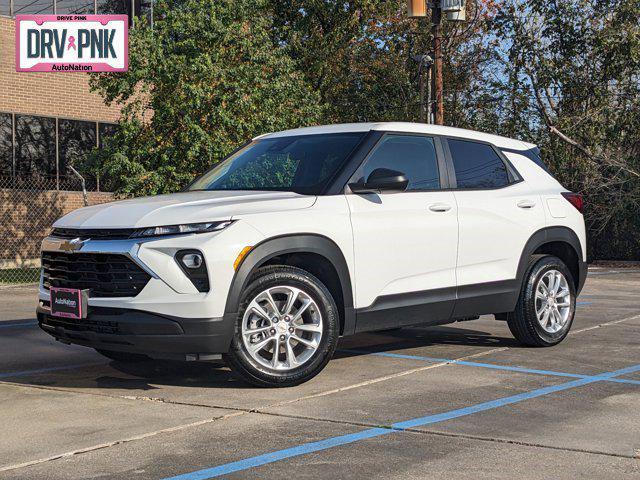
(206,78)
(211,74)
(574,67)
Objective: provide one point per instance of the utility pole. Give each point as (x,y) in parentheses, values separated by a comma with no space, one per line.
(436,31)
(455,12)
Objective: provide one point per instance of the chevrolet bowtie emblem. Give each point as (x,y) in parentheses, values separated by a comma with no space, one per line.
(72,245)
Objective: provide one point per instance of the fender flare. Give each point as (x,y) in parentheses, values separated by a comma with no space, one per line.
(281,245)
(554,234)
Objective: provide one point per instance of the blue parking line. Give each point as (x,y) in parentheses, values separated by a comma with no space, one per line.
(584,303)
(47,370)
(325,444)
(492,366)
(18,325)
(282,454)
(623,380)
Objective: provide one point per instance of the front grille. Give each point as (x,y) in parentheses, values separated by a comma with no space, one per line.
(94,233)
(106,274)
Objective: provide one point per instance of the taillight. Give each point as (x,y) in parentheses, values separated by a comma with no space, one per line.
(574,199)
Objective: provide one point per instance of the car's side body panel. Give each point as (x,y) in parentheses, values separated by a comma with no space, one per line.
(558,211)
(398,261)
(401,245)
(494,229)
(444,305)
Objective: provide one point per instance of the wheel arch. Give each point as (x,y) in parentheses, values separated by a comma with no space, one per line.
(561,242)
(272,250)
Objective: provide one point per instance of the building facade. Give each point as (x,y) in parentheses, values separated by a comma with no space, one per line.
(49,121)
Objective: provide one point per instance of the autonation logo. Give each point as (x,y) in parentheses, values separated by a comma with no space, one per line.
(66,302)
(59,43)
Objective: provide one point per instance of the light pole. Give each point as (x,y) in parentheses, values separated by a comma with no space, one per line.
(425,62)
(436,31)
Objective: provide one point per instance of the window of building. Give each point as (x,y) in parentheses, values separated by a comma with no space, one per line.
(6,145)
(114,6)
(5,7)
(33,160)
(76,140)
(413,155)
(139,7)
(36,147)
(106,130)
(477,165)
(32,7)
(75,7)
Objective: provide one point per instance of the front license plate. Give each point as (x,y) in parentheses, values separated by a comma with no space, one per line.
(69,302)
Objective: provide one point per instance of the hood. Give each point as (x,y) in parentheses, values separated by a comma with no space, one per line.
(181,208)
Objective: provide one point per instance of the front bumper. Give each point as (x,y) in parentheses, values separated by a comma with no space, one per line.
(151,334)
(169,292)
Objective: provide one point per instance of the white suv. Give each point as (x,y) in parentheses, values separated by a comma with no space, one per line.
(303,236)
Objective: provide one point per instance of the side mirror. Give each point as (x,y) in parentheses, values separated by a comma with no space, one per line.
(382,180)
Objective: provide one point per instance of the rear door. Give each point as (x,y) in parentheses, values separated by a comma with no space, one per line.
(405,244)
(498,213)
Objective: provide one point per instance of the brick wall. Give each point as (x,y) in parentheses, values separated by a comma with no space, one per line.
(27,215)
(56,94)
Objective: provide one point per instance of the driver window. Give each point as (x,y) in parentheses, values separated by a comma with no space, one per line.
(413,155)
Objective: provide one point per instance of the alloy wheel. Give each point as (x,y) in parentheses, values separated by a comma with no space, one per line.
(553,301)
(282,328)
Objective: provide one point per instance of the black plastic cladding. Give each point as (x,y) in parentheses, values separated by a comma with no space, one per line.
(303,242)
(198,276)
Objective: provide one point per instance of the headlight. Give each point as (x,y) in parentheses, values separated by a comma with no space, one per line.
(181,229)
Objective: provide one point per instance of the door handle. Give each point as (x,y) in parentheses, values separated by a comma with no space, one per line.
(526,204)
(439,207)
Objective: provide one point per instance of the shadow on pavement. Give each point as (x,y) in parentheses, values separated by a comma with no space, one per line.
(154,374)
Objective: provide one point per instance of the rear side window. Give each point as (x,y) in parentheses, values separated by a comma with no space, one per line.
(477,165)
(413,155)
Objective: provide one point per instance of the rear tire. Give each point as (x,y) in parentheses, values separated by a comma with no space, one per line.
(546,306)
(124,357)
(289,311)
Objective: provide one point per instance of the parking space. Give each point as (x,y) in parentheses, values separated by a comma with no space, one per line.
(458,401)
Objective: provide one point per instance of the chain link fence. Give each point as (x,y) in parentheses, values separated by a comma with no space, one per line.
(28,207)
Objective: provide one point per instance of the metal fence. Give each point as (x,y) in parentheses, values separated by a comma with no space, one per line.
(28,208)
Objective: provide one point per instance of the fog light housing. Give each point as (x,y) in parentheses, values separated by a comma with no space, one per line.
(192,263)
(192,260)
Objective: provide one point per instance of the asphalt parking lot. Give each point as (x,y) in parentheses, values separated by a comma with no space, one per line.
(458,401)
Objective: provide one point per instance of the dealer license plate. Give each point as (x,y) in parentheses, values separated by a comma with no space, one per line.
(69,302)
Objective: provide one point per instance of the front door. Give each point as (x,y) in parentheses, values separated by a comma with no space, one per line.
(405,244)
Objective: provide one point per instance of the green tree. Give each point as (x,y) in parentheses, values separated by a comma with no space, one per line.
(360,55)
(578,63)
(207,77)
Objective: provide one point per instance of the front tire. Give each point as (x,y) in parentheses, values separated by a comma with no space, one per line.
(546,306)
(287,328)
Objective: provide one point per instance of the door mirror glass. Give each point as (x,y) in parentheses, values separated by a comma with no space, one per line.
(382,180)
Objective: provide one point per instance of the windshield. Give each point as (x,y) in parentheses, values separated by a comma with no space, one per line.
(302,164)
